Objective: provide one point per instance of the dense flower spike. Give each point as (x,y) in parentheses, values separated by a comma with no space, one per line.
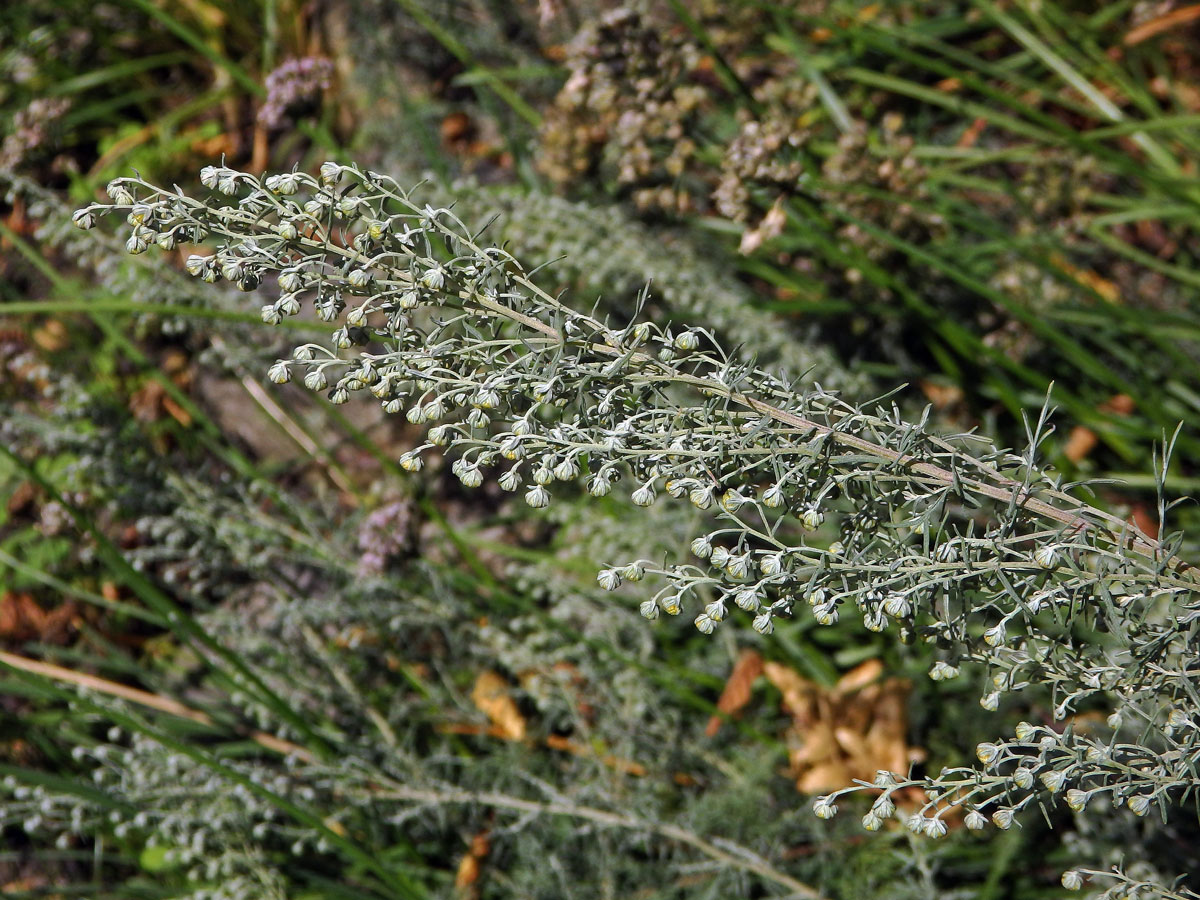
(808,499)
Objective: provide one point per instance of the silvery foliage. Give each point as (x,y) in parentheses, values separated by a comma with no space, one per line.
(848,509)
(187,810)
(606,251)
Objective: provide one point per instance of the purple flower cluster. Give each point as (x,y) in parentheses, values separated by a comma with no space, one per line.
(31,130)
(294,84)
(384,534)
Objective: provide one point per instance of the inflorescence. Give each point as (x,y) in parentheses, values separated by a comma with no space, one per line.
(848,510)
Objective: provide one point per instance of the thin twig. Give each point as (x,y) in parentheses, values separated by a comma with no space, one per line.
(736,857)
(143,698)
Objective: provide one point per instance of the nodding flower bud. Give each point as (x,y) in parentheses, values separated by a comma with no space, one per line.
(331,173)
(119,193)
(434,279)
(1046,557)
(510,480)
(196,264)
(811,518)
(731,501)
(1054,780)
(289,305)
(599,485)
(645,495)
(537,497)
(995,636)
(640,333)
(471,476)
(285,183)
(1139,804)
(635,571)
(83,219)
(738,566)
(609,579)
(747,599)
(935,828)
(771,564)
(824,807)
(139,240)
(687,341)
(566,469)
(943,671)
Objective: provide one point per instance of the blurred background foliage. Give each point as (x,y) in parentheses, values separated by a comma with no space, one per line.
(243,656)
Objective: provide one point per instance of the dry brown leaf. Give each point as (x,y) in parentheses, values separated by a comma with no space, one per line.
(942,396)
(1082,439)
(737,689)
(470,865)
(146,402)
(21,498)
(971,133)
(860,676)
(51,336)
(846,732)
(22,619)
(1089,279)
(628,766)
(491,696)
(456,128)
(177,412)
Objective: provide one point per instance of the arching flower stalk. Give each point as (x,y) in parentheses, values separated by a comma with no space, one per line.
(813,501)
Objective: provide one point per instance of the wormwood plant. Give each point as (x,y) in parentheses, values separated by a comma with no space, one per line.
(813,501)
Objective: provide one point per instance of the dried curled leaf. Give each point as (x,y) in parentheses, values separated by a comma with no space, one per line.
(737,689)
(845,732)
(492,697)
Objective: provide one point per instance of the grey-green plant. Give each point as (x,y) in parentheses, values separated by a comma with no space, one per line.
(813,504)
